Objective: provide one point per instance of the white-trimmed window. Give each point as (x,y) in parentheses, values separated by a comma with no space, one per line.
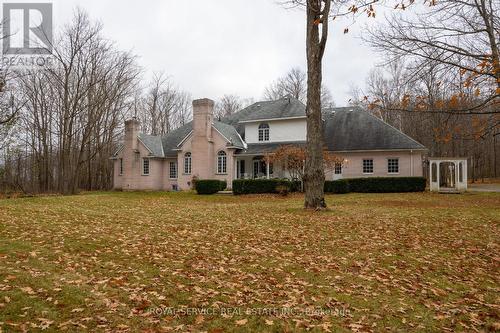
(187,163)
(221,162)
(172,172)
(264,132)
(338,168)
(145,167)
(368,165)
(121,166)
(393,165)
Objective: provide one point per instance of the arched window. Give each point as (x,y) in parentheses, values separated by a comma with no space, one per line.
(221,162)
(187,163)
(264,132)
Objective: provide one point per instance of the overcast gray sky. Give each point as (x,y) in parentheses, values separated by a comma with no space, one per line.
(216,47)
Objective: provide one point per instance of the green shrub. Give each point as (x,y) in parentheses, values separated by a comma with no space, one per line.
(209,186)
(254,186)
(337,186)
(295,185)
(376,185)
(361,185)
(387,184)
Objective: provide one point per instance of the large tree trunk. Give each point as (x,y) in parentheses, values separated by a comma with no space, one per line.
(314,175)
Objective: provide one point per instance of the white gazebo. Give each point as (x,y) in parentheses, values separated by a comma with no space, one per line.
(448,174)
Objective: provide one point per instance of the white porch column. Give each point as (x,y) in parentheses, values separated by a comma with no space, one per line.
(267,169)
(235,167)
(430,173)
(464,175)
(437,172)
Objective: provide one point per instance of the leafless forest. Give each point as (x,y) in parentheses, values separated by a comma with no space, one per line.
(439,82)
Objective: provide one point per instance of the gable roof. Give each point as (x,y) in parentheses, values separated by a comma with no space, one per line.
(351,129)
(286,107)
(230,133)
(153,144)
(345,129)
(167,145)
(172,140)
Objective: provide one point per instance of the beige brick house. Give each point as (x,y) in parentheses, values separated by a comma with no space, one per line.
(236,146)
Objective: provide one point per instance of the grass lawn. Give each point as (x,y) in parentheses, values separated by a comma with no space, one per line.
(160,262)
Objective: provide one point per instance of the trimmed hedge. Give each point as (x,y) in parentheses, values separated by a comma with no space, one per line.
(360,185)
(337,186)
(376,185)
(255,186)
(209,186)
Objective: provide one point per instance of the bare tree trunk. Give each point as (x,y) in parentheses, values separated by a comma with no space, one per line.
(314,176)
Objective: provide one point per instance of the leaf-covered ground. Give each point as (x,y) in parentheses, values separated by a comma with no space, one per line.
(160,262)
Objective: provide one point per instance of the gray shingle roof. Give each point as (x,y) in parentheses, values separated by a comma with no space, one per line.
(287,107)
(230,133)
(153,143)
(351,128)
(172,139)
(165,146)
(345,129)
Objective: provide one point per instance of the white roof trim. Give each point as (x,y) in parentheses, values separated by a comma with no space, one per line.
(185,138)
(243,141)
(119,149)
(138,138)
(376,150)
(213,126)
(345,151)
(271,119)
(229,141)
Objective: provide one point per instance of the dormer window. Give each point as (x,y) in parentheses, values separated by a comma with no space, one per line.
(264,132)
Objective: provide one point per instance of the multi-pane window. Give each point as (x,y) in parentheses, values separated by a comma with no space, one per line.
(172,170)
(338,168)
(264,132)
(121,166)
(187,163)
(221,162)
(145,166)
(368,165)
(393,165)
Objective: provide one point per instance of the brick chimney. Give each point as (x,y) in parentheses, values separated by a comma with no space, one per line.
(131,132)
(131,165)
(203,117)
(202,145)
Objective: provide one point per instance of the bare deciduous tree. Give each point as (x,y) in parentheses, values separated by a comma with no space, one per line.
(69,124)
(452,36)
(228,105)
(294,84)
(163,106)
